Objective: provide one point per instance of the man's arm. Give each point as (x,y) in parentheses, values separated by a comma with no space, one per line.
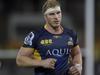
(76,55)
(76,61)
(24,58)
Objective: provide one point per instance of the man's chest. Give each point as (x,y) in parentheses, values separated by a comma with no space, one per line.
(54,45)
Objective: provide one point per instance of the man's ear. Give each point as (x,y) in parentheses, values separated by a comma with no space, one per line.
(45,17)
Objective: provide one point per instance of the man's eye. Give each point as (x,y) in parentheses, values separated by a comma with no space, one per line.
(58,12)
(51,14)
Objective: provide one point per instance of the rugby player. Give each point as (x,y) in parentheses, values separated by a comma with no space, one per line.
(50,49)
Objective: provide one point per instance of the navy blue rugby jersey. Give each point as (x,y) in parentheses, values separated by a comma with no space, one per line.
(49,45)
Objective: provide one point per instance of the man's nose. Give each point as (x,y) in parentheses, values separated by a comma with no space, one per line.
(56,16)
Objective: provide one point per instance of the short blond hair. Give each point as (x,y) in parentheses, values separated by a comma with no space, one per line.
(50,4)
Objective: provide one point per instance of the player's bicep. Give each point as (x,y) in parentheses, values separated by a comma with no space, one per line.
(75,51)
(25,51)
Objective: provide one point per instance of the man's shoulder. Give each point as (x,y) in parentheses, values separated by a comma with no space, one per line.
(38,31)
(68,30)
(33,34)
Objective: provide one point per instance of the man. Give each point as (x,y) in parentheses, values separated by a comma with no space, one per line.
(50,49)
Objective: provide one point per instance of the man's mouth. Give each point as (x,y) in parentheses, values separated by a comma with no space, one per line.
(56,22)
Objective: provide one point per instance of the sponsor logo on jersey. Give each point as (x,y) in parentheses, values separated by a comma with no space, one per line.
(55,36)
(46,42)
(58,52)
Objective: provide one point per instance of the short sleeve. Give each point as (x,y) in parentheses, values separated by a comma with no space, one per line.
(30,40)
(75,38)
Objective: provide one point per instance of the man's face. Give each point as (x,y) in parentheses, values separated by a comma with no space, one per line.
(54,18)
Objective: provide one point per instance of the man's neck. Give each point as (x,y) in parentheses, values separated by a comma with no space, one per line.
(54,30)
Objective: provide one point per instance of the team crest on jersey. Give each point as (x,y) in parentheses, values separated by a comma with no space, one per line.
(29,38)
(70,42)
(46,42)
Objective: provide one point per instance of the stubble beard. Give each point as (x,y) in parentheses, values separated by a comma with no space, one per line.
(55,26)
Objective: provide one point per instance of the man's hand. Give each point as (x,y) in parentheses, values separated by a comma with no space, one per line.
(48,63)
(75,70)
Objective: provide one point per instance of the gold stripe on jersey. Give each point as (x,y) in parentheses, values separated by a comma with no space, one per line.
(36,55)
